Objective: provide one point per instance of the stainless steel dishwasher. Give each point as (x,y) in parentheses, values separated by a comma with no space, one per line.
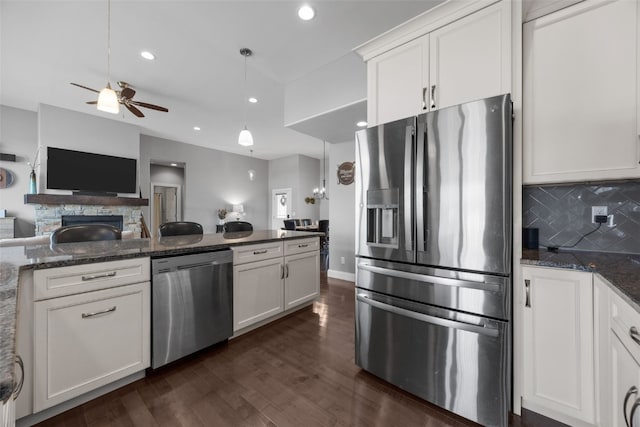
(191,304)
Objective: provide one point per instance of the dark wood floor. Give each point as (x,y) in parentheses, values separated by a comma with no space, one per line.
(298,371)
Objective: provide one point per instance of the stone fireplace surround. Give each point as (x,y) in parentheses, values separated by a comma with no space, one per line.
(49,210)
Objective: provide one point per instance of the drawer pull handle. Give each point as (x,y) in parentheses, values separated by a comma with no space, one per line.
(264,251)
(633,390)
(281,271)
(433,96)
(286,267)
(98,313)
(633,333)
(527,289)
(303,246)
(98,276)
(18,386)
(633,411)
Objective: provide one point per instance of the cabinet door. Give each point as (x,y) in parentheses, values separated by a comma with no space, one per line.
(558,378)
(580,93)
(257,291)
(397,81)
(625,375)
(302,283)
(85,341)
(470,58)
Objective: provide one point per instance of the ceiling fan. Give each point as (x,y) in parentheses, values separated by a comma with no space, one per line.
(125,97)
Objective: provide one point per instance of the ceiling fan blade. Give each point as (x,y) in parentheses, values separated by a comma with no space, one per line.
(134,110)
(92,102)
(127,92)
(87,88)
(153,107)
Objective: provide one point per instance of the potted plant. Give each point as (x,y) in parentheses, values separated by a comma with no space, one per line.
(222,214)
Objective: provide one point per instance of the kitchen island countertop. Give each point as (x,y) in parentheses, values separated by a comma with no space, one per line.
(621,271)
(15,259)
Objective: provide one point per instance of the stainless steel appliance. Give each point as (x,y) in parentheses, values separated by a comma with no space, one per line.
(433,242)
(191,304)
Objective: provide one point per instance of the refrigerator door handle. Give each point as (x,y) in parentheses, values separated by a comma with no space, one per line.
(493,287)
(420,207)
(439,321)
(408,197)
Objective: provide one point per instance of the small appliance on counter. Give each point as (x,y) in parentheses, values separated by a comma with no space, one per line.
(433,247)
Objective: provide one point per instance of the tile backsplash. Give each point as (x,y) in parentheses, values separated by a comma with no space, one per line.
(562,213)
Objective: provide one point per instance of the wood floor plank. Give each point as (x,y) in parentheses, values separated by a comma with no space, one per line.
(296,371)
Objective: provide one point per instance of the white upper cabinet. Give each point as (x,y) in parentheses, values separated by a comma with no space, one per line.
(470,58)
(395,80)
(466,58)
(580,93)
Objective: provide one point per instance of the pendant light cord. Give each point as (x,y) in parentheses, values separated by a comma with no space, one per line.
(108,42)
(244,100)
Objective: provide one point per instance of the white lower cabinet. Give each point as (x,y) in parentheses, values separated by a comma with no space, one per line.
(88,340)
(257,291)
(558,353)
(620,356)
(263,288)
(302,278)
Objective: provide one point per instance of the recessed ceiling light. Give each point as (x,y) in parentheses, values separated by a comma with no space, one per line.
(306,13)
(361,124)
(174,164)
(147,55)
(253,100)
(196,128)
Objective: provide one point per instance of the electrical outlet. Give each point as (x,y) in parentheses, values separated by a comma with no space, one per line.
(342,260)
(598,210)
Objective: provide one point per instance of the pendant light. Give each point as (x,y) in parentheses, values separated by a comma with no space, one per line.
(321,193)
(108,99)
(245,138)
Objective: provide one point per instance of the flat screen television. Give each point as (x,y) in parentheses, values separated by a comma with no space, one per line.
(90,173)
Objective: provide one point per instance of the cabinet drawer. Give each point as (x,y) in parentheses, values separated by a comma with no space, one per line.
(299,246)
(252,253)
(623,318)
(57,282)
(88,340)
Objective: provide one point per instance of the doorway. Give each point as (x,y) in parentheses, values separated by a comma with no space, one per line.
(166,204)
(280,207)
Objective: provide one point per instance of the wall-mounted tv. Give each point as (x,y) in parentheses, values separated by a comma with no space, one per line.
(89,172)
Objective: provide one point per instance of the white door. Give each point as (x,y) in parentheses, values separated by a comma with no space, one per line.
(166,204)
(470,58)
(558,344)
(397,82)
(281,207)
(580,93)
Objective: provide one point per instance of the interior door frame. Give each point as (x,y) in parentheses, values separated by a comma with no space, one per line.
(154,227)
(274,218)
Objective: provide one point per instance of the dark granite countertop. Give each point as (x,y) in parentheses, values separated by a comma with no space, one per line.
(621,271)
(18,258)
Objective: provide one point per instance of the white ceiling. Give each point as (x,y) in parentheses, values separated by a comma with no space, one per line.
(198,72)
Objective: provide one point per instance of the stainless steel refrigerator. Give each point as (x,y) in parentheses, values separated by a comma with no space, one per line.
(433,247)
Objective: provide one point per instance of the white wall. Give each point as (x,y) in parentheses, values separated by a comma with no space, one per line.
(339,83)
(300,173)
(213,180)
(61,128)
(19,136)
(342,217)
(161,174)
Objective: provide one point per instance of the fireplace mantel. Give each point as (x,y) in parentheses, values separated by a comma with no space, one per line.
(62,199)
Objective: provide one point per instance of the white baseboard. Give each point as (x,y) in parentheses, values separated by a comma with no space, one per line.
(342,275)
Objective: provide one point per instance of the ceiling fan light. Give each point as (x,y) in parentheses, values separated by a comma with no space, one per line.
(245,138)
(108,101)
